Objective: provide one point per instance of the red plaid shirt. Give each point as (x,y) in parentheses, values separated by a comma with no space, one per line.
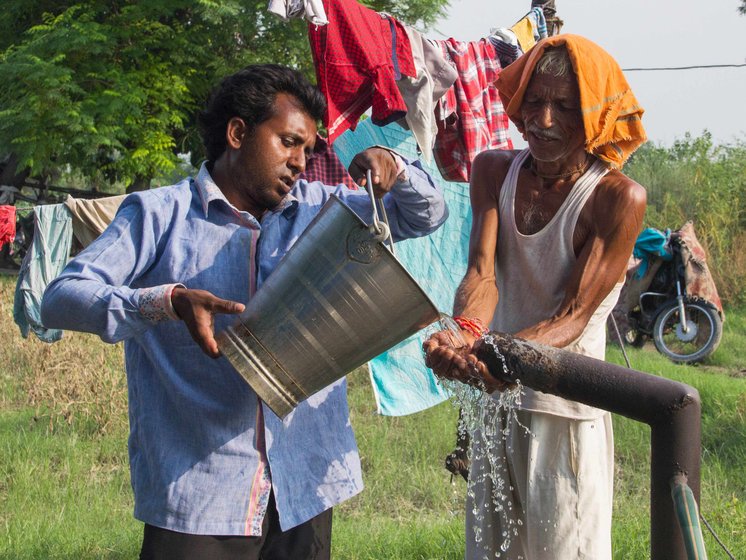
(356,66)
(471,115)
(324,166)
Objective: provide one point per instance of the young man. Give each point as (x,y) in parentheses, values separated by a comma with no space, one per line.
(216,475)
(553,228)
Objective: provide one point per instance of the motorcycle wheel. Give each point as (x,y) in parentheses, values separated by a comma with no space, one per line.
(703,335)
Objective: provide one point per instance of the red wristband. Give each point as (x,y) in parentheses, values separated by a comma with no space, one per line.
(472,324)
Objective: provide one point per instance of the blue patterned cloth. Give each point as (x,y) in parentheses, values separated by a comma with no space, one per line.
(50,248)
(401,382)
(540,23)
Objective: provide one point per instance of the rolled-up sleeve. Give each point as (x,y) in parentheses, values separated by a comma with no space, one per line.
(93,293)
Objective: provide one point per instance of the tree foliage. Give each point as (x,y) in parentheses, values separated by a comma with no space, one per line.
(111,89)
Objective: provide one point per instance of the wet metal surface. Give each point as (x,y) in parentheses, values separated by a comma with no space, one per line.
(671,409)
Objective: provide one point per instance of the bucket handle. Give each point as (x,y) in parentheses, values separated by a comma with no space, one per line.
(380,229)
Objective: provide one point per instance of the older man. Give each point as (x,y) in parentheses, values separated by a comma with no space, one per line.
(553,227)
(216,474)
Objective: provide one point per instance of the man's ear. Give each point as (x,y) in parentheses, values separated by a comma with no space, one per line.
(235,133)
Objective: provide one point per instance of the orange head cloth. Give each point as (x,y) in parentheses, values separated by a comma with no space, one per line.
(611,114)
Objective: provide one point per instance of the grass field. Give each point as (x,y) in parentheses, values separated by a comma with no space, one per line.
(64,480)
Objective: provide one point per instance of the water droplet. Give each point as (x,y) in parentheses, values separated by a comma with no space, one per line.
(487,419)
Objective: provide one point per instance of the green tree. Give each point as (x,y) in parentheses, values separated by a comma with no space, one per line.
(111,88)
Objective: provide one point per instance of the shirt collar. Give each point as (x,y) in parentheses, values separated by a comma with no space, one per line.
(288,206)
(209,191)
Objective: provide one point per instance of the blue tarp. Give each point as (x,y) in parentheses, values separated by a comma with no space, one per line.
(401,382)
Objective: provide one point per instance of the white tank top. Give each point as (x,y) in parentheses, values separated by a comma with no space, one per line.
(532,272)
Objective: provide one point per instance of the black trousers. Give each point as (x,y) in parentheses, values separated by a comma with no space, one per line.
(308,541)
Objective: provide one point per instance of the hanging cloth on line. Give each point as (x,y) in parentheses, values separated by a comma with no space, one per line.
(312,10)
(92,217)
(7,224)
(357,58)
(54,228)
(44,261)
(435,76)
(510,43)
(530,29)
(471,117)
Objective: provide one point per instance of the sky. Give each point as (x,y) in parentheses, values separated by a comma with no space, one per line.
(642,34)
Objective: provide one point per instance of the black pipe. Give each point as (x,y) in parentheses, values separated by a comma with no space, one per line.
(671,409)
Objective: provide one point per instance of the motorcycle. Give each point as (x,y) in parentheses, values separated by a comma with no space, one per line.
(674,301)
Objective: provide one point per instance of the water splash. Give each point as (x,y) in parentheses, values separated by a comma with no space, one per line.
(481,417)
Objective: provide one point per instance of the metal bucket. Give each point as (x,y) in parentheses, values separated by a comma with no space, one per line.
(338,298)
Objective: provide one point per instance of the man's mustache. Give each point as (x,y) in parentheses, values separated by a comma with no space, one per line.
(544,134)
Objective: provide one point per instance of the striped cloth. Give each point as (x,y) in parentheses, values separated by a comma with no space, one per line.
(505,40)
(471,115)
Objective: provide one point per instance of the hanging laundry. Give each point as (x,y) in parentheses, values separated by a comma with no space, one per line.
(530,29)
(324,166)
(54,227)
(358,57)
(471,115)
(312,10)
(536,15)
(402,384)
(513,42)
(7,224)
(91,217)
(45,259)
(506,45)
(434,77)
(524,32)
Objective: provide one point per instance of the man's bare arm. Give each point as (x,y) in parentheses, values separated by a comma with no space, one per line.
(477,294)
(617,212)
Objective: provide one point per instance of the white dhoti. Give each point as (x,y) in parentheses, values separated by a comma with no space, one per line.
(558,491)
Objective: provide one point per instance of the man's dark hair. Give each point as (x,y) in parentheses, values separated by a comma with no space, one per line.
(250,94)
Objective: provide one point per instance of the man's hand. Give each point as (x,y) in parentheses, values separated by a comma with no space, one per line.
(383,169)
(197,308)
(459,363)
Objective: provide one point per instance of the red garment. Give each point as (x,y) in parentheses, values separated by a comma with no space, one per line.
(7,224)
(324,166)
(355,66)
(471,116)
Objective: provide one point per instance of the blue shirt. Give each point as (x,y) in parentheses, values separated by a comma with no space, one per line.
(195,425)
